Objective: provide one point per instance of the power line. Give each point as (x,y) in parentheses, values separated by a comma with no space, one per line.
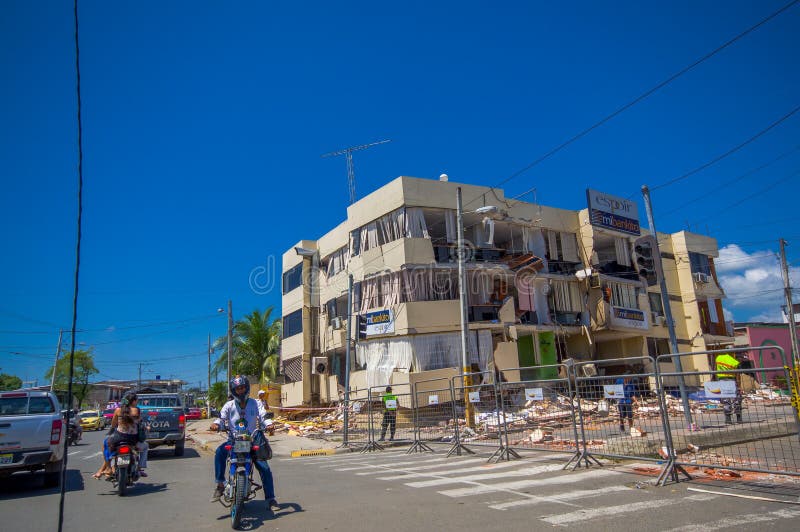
(684,203)
(646,94)
(727,153)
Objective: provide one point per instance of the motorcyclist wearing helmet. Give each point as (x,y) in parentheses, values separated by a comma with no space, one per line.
(241,407)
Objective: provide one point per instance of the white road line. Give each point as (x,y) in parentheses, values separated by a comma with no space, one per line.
(568,478)
(393,464)
(437,474)
(389,468)
(568,496)
(98,453)
(738,521)
(528,471)
(586,515)
(354,458)
(73,453)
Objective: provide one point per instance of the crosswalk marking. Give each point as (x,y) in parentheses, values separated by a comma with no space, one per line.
(383,467)
(568,478)
(529,471)
(438,474)
(739,521)
(93,455)
(71,453)
(567,496)
(389,467)
(588,514)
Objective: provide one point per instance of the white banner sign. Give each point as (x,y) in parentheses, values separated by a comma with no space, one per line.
(534,394)
(613,391)
(433,399)
(380,322)
(628,318)
(474,397)
(720,389)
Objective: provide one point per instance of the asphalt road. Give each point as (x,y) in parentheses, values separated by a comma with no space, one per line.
(392,491)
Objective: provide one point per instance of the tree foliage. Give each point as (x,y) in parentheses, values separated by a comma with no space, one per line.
(83,370)
(9,382)
(218,394)
(256,342)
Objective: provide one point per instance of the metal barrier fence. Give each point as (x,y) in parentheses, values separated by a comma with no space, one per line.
(434,417)
(734,428)
(538,411)
(358,424)
(397,423)
(476,396)
(620,409)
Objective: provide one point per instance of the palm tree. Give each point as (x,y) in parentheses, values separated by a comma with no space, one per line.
(255,345)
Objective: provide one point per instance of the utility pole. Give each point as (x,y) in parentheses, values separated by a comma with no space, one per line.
(58,352)
(209,362)
(345,431)
(462,295)
(230,336)
(673,338)
(787,289)
(351,174)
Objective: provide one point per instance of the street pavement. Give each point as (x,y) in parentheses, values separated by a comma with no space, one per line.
(390,491)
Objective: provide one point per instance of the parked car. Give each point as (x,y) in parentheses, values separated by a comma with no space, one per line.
(193,413)
(108,415)
(33,432)
(91,420)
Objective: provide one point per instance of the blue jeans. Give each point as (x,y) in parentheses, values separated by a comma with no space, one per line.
(220,457)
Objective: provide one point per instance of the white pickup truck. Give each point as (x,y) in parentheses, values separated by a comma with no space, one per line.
(31,432)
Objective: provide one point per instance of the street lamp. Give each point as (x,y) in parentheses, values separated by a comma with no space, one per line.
(462,296)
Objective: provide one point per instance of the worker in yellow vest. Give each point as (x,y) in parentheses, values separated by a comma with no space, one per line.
(389,413)
(726,365)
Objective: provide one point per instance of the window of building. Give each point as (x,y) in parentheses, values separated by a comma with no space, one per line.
(293,323)
(657,346)
(656,306)
(400,223)
(292,278)
(623,295)
(700,263)
(336,261)
(336,307)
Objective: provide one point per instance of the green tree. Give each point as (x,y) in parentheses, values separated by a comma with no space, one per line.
(9,382)
(218,394)
(83,369)
(256,341)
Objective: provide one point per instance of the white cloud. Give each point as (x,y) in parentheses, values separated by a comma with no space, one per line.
(752,282)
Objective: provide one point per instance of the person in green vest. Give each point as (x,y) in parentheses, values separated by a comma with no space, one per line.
(389,414)
(726,364)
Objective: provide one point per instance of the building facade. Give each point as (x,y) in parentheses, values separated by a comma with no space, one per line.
(544,285)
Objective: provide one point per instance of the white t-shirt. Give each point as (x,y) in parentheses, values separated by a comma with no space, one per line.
(231,412)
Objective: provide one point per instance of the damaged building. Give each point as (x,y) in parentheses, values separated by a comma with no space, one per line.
(544,286)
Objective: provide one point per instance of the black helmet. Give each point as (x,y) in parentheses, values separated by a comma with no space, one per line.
(388,389)
(239,380)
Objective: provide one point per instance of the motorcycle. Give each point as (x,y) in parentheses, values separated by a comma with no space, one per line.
(74,429)
(126,467)
(239,485)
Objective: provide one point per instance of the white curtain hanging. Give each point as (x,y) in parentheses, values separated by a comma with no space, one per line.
(569,247)
(622,251)
(552,244)
(450,225)
(488,228)
(415,223)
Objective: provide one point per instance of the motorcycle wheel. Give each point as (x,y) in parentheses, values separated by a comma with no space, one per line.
(122,481)
(239,493)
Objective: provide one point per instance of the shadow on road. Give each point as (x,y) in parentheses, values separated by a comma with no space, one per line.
(166,453)
(32,485)
(138,489)
(256,514)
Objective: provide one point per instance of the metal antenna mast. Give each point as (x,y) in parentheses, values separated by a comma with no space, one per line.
(351,174)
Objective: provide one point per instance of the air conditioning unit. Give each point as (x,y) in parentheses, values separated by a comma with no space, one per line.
(659,320)
(589,370)
(337,323)
(703,278)
(594,280)
(319,365)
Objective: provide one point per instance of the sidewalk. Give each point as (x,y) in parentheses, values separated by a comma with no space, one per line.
(282,444)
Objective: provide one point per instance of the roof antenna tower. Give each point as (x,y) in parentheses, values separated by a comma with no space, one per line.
(351,174)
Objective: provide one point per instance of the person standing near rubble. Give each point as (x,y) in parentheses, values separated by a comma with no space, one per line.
(389,414)
(726,364)
(625,403)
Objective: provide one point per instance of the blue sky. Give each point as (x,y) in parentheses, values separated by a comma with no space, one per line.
(204,123)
